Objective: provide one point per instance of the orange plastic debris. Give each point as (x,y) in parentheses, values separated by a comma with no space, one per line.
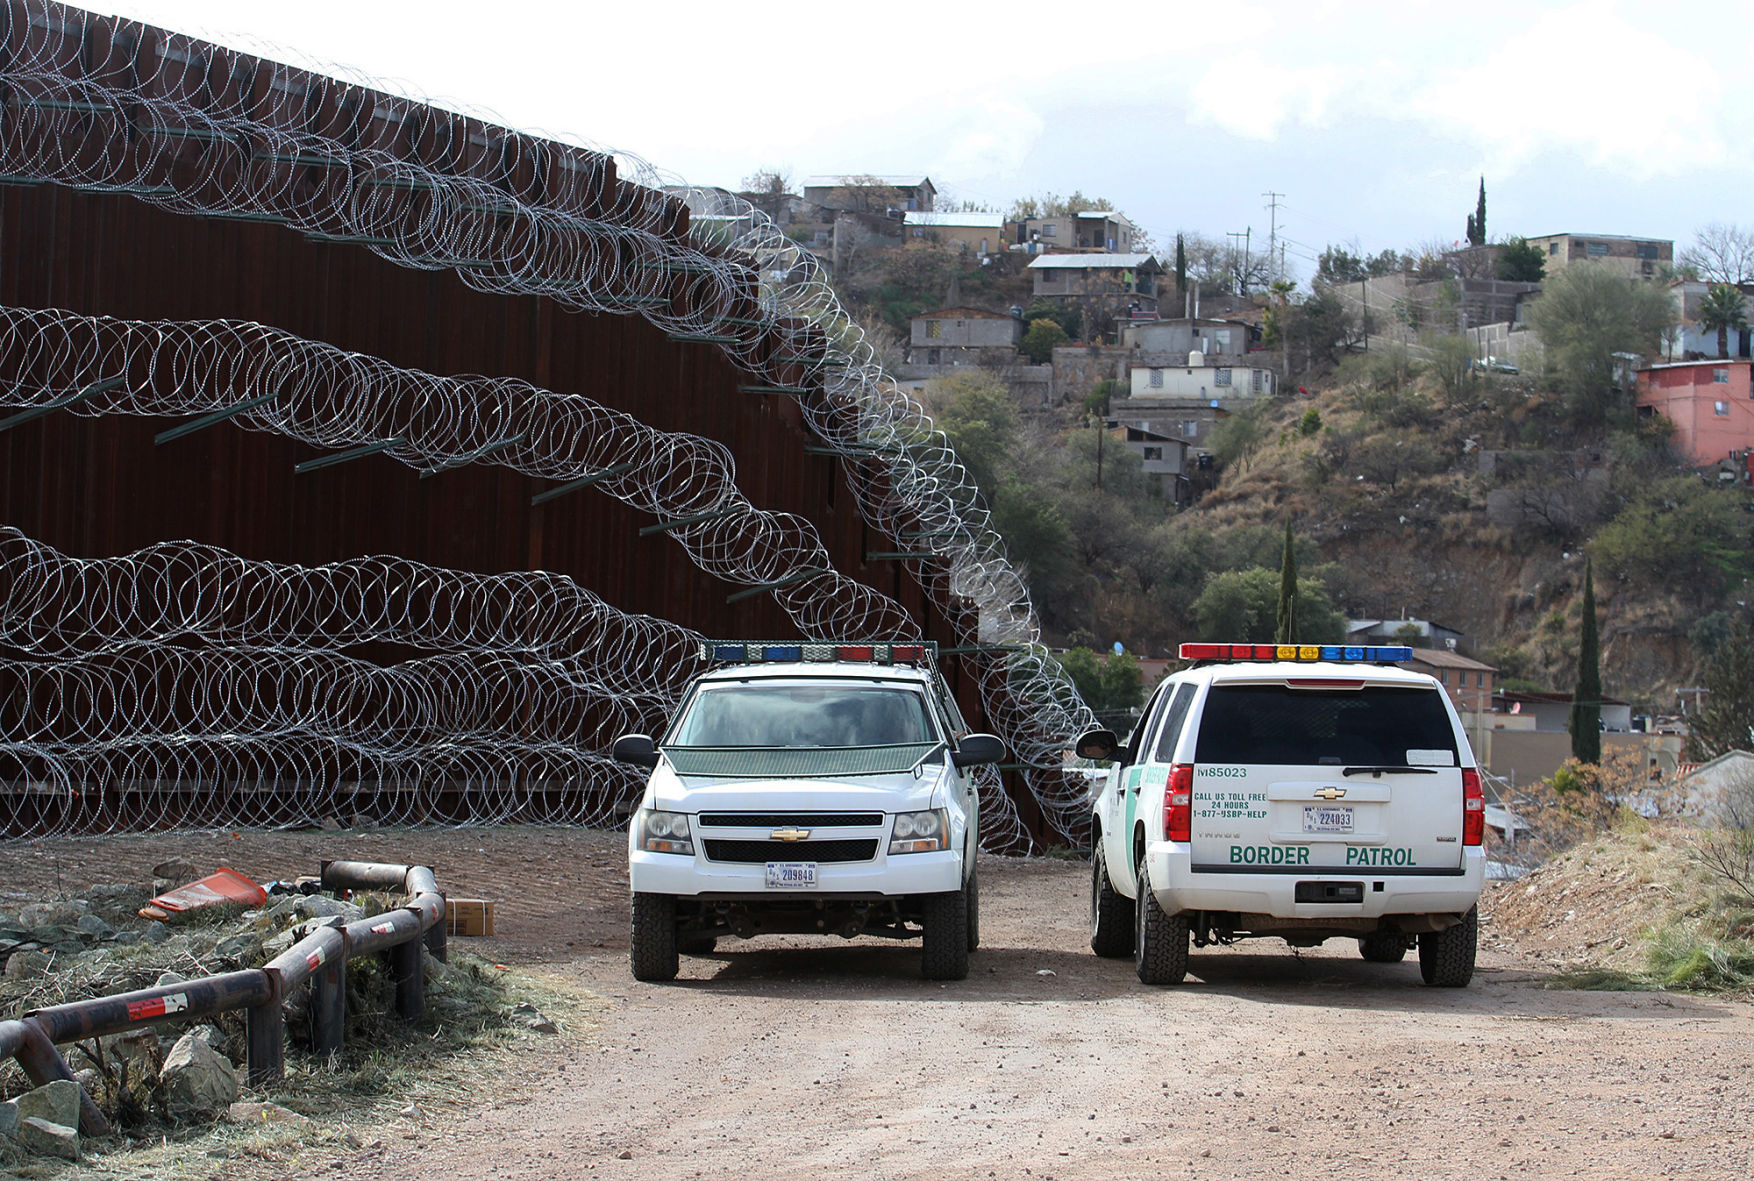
(226,886)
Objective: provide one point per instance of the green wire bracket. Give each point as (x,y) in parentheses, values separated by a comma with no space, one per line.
(582,482)
(900,556)
(471,457)
(311,465)
(788,580)
(73,399)
(796,391)
(703,338)
(207,420)
(684,522)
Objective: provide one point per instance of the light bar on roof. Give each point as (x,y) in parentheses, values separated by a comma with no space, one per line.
(742,652)
(1353,654)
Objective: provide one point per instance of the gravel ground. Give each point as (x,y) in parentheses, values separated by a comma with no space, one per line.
(797,1058)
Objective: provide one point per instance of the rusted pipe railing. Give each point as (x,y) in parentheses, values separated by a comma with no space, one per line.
(319,958)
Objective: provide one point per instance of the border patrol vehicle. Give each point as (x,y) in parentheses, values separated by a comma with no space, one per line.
(1305,792)
(808,788)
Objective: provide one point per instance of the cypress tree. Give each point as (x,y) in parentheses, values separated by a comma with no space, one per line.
(1286,632)
(1181,267)
(1586,700)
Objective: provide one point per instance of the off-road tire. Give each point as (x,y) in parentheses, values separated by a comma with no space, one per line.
(973,890)
(652,941)
(944,949)
(1160,942)
(1383,947)
(1111,919)
(1446,958)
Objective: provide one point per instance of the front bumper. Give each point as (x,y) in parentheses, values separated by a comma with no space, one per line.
(887,876)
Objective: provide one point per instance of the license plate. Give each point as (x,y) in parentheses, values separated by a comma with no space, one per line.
(791,875)
(1327,819)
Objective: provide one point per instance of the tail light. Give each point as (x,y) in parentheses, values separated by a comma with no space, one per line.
(1178,803)
(1473,808)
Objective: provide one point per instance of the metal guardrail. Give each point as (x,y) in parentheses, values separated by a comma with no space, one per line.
(319,958)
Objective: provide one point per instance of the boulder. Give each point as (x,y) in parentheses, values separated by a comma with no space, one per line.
(137,1047)
(8,1119)
(265,1113)
(96,928)
(26,965)
(56,1102)
(197,1081)
(52,914)
(177,869)
(46,1138)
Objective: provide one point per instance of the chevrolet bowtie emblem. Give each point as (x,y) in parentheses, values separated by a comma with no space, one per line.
(1331,793)
(790,834)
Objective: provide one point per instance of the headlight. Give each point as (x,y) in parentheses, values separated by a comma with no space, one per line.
(665,832)
(920,832)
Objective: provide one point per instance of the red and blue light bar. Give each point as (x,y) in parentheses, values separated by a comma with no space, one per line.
(735,652)
(1341,653)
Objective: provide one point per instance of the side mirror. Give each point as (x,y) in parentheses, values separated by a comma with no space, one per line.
(1100,746)
(975,749)
(636,749)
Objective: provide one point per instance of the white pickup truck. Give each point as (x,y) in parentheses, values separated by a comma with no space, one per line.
(808,788)
(1299,791)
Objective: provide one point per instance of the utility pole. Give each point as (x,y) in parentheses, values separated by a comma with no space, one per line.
(1272,235)
(1242,281)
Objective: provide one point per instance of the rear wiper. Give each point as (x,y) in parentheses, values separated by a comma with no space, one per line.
(1396,770)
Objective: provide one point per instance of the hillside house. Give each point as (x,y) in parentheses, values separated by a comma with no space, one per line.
(962,336)
(1691,342)
(1166,458)
(1199,380)
(1418,632)
(1552,711)
(1468,682)
(861,193)
(1106,288)
(1093,230)
(1164,341)
(1711,404)
(979,234)
(1636,258)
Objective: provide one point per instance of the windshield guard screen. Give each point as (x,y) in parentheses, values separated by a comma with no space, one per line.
(1374,726)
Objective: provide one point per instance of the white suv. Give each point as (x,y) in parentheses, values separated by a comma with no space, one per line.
(1304,792)
(808,788)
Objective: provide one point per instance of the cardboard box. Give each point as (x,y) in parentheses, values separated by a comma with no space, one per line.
(468,916)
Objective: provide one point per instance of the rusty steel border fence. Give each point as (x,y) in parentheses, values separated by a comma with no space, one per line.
(320,958)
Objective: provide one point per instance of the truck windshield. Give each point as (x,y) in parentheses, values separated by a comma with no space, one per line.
(804,715)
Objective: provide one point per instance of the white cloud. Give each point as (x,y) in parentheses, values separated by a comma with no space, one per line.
(1249,96)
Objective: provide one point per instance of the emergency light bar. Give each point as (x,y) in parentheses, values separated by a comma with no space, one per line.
(731,652)
(1296,652)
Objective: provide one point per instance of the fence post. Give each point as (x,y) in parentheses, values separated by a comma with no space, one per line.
(409,975)
(329,1006)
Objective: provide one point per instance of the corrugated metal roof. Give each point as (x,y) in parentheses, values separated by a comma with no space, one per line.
(835,180)
(1443,658)
(972,221)
(1089,261)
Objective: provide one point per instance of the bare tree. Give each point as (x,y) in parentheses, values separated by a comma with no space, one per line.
(1721,254)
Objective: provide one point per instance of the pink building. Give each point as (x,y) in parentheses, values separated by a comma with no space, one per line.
(1711,404)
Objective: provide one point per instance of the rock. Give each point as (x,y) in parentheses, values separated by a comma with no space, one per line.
(26,965)
(533,1018)
(436,969)
(8,1119)
(177,869)
(96,928)
(264,1113)
(56,1102)
(321,906)
(119,895)
(197,1081)
(242,950)
(156,933)
(46,1138)
(168,978)
(213,1036)
(51,914)
(137,1047)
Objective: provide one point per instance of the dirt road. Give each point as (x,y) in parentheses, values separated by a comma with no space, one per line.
(804,1059)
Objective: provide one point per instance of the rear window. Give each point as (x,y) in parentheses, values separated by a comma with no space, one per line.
(1374,726)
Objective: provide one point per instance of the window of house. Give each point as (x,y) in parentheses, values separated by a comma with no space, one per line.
(1191,429)
(1221,377)
(1721,409)
(1552,248)
(1050,230)
(1648,251)
(1596,249)
(1153,453)
(1155,381)
(1720,377)
(932,356)
(1256,380)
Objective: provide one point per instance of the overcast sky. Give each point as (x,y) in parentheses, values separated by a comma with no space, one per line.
(1373,121)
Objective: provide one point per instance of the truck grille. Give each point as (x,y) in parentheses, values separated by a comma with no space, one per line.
(790,819)
(759,852)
